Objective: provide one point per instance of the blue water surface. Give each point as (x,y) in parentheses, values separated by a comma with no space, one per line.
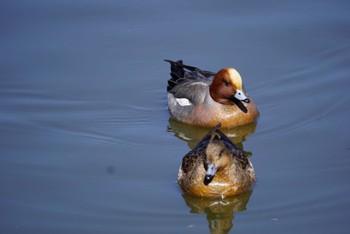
(87,144)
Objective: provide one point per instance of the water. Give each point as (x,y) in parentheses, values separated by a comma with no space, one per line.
(86,142)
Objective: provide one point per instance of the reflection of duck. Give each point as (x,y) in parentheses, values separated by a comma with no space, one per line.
(192,134)
(215,168)
(204,98)
(220,212)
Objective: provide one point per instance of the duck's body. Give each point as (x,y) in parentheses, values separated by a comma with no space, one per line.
(215,168)
(204,98)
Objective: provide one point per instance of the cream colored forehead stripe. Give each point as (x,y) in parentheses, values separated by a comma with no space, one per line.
(235,77)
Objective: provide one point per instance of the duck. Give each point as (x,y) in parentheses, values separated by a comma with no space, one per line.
(216,168)
(203,98)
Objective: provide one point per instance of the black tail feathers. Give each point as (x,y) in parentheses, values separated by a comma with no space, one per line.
(177,72)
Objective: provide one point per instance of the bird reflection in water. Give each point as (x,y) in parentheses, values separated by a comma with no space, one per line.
(220,212)
(192,134)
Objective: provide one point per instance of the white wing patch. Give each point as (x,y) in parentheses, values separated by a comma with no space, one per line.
(183,101)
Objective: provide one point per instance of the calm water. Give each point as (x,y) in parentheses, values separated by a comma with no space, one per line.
(86,144)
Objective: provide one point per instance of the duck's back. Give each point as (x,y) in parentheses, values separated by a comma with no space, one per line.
(182,74)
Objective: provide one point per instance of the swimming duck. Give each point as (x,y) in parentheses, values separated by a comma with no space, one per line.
(204,98)
(216,167)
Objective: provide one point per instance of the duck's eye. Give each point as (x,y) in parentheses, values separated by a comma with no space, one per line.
(225,82)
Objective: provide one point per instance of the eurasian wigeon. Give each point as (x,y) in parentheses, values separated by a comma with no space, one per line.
(204,98)
(216,167)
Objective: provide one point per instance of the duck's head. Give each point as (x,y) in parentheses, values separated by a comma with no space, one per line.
(217,157)
(227,87)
